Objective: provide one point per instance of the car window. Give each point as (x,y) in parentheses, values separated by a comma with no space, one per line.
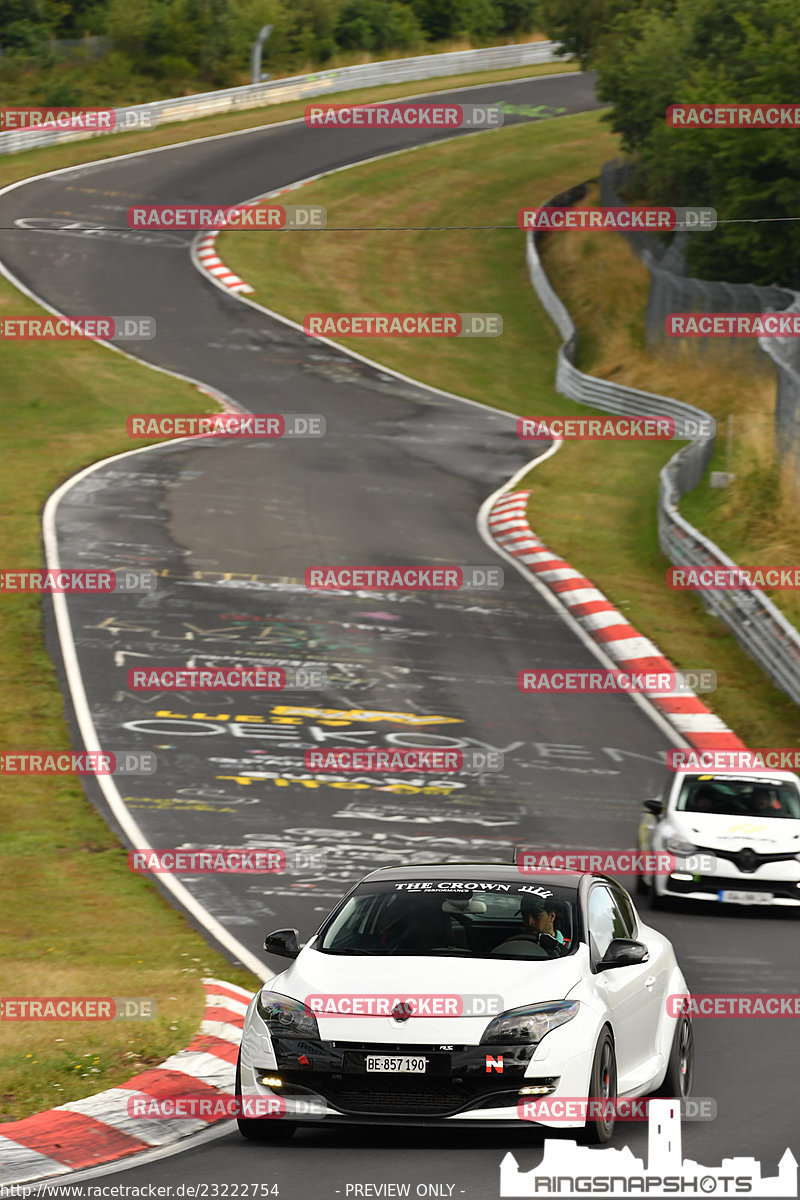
(492,918)
(626,912)
(739,798)
(605,919)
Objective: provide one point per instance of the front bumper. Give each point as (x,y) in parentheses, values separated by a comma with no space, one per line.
(466,1084)
(784,892)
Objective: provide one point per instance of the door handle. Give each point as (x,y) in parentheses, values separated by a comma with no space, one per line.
(649,982)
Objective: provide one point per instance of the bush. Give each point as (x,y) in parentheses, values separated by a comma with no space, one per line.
(24,37)
(652,53)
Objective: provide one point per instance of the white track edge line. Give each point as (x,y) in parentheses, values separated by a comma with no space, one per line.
(481,519)
(107,783)
(276,316)
(64,627)
(482,524)
(108,787)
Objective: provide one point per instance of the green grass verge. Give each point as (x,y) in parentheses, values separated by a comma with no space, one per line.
(595,503)
(76,921)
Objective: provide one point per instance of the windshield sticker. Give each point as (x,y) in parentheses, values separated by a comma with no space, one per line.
(469,886)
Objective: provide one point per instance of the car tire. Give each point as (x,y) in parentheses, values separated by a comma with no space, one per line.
(680,1067)
(265,1129)
(599,1129)
(657,903)
(641,887)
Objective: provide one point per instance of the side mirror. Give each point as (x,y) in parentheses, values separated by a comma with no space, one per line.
(623,952)
(282,942)
(654,806)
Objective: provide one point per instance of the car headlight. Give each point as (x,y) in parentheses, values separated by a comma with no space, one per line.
(528,1025)
(283,1015)
(677,846)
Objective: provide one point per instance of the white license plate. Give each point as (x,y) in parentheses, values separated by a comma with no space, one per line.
(386,1063)
(745,897)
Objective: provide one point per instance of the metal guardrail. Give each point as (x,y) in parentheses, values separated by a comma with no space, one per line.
(297,87)
(758,625)
(673,289)
(784,354)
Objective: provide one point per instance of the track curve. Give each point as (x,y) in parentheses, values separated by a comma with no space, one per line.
(231,528)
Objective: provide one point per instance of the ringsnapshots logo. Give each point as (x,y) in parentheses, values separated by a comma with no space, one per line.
(615,679)
(60,581)
(732,325)
(402,1007)
(77,1008)
(404,116)
(613,862)
(223,679)
(403,761)
(735,762)
(102,329)
(90,120)
(733,116)
(618,219)
(570,1170)
(78,762)
(728,579)
(402,579)
(227,216)
(426,325)
(266,425)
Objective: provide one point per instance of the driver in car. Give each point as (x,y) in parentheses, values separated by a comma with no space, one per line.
(538,924)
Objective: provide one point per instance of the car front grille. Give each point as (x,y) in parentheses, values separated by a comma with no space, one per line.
(414,1096)
(783,888)
(746,859)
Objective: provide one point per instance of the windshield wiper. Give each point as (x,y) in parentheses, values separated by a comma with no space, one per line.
(353,950)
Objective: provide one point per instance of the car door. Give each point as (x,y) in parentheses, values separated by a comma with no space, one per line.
(630,993)
(656,982)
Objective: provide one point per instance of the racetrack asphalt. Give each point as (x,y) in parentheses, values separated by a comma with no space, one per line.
(231,527)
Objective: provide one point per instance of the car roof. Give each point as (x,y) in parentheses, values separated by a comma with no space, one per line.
(742,776)
(500,872)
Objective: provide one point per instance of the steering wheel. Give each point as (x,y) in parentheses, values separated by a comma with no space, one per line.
(522,937)
(465,925)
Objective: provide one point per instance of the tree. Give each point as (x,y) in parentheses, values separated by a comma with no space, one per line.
(713,51)
(580,25)
(377,25)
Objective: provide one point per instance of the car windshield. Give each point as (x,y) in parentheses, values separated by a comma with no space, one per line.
(454,918)
(739,797)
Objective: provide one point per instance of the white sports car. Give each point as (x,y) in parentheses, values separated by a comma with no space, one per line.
(454,994)
(735,838)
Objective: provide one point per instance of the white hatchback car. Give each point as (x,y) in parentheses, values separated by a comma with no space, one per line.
(453,994)
(747,829)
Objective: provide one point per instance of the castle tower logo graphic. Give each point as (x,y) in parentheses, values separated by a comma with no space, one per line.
(568,1169)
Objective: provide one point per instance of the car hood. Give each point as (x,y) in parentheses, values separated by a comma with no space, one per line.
(501,983)
(763,834)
